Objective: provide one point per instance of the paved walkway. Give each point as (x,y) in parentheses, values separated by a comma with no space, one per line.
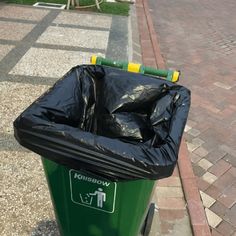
(198,37)
(37,47)
(172,217)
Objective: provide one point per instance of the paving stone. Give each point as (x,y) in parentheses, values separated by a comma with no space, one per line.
(194,132)
(198,170)
(49,62)
(14,30)
(226,113)
(230,159)
(90,20)
(175,192)
(14,98)
(207,200)
(225,228)
(191,123)
(224,181)
(188,138)
(215,155)
(230,216)
(23,13)
(202,152)
(194,157)
(196,143)
(205,164)
(202,126)
(220,168)
(169,182)
(211,145)
(171,203)
(202,184)
(232,171)
(75,37)
(215,131)
(171,215)
(214,232)
(228,149)
(166,227)
(174,222)
(212,218)
(228,198)
(213,191)
(208,177)
(219,209)
(191,146)
(4,49)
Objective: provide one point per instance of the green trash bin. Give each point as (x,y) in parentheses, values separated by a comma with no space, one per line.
(88,205)
(105,135)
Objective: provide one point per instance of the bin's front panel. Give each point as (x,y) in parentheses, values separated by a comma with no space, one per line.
(88,205)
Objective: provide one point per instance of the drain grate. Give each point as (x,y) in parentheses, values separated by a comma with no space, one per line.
(50,5)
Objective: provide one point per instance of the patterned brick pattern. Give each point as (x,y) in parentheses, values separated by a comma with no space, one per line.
(198,37)
(173,215)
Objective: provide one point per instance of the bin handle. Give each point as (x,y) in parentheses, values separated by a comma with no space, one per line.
(170,75)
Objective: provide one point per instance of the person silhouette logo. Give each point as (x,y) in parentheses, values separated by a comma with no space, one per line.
(101,197)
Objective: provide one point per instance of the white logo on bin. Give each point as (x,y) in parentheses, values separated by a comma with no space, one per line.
(89,191)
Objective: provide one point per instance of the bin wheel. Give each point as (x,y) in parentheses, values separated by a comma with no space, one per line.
(148,220)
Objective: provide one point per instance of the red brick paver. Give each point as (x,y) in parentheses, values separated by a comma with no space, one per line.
(172,204)
(199,38)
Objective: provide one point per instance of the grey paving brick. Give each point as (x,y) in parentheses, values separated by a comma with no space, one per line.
(230,159)
(117,48)
(74,37)
(49,62)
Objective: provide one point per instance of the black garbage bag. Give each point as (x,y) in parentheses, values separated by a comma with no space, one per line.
(113,123)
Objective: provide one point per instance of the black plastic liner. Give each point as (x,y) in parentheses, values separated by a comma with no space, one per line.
(116,124)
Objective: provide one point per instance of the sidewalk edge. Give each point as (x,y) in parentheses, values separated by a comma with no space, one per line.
(195,207)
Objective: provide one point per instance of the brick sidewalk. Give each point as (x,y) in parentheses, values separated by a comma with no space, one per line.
(172,217)
(199,38)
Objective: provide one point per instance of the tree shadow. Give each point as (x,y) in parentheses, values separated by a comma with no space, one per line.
(46,228)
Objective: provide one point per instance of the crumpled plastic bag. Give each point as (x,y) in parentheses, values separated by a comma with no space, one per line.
(117,124)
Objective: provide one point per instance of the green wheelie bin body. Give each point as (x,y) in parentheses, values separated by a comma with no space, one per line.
(88,205)
(99,119)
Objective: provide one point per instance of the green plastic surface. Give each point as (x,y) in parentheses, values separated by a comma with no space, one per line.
(143,69)
(88,205)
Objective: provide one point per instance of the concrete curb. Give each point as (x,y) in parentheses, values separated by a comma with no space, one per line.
(196,210)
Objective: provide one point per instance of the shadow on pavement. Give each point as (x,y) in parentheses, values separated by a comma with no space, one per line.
(8,143)
(46,228)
